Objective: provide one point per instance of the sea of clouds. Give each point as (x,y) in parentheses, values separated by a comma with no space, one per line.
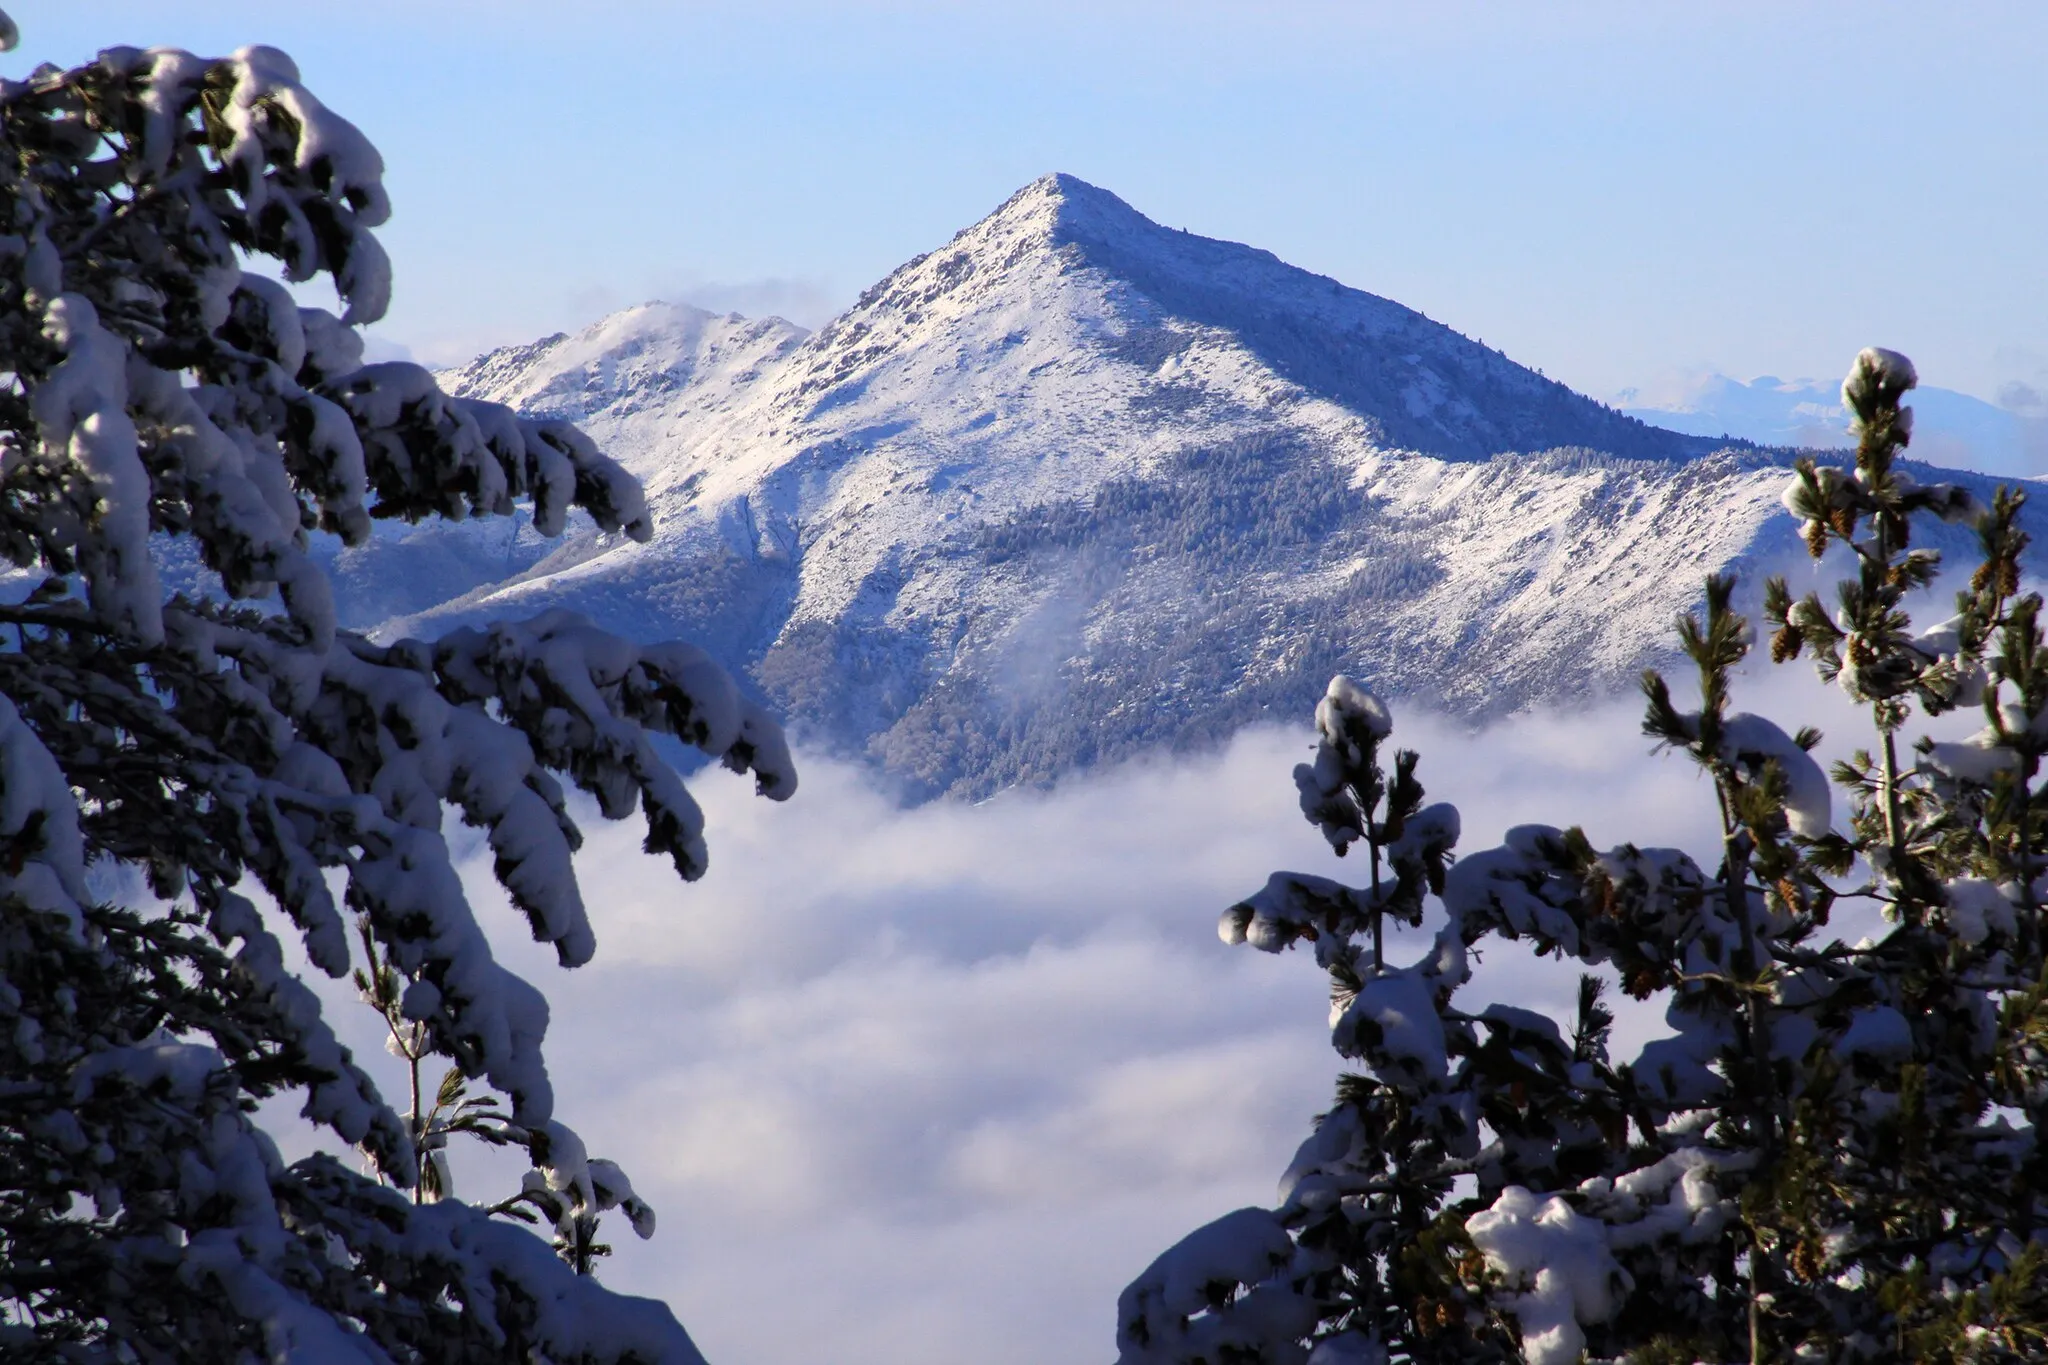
(909,1086)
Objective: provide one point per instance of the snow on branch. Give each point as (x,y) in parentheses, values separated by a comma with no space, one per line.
(163,383)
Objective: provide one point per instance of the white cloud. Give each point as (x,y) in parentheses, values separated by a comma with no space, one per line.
(900,1080)
(913,1086)
(805,302)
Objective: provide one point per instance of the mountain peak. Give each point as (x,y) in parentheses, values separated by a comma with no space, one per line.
(1065,200)
(1074,484)
(1064,210)
(1064,256)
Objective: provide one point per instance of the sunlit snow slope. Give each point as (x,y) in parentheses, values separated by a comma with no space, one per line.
(1076,485)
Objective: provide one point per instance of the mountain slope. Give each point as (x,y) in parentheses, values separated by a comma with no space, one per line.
(631,362)
(1420,385)
(1077,485)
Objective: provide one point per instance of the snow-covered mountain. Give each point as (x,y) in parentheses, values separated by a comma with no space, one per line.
(1076,485)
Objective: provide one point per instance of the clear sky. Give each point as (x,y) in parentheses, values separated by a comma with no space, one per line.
(1612,192)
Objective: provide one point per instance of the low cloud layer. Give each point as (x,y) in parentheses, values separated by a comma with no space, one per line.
(912,1087)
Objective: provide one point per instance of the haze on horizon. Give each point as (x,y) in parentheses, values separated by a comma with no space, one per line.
(1613,194)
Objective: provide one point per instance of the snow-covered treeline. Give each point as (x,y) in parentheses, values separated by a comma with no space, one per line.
(275,774)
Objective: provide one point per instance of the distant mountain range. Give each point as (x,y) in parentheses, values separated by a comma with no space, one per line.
(1076,485)
(1951,428)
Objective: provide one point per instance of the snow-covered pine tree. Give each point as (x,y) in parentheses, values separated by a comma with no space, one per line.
(159,387)
(1833,1156)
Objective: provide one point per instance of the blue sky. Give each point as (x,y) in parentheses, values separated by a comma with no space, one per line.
(1611,192)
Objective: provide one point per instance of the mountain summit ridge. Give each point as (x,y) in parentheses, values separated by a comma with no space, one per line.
(1075,485)
(1420,384)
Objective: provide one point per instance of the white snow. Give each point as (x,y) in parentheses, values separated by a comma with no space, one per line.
(1557,1266)
(1691,1210)
(1978,758)
(1162,1316)
(1393,1025)
(1751,741)
(1977,908)
(81,415)
(39,818)
(1239,1248)
(1008,371)
(1877,369)
(306,751)
(1347,706)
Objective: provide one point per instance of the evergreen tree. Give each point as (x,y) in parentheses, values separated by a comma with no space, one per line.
(1833,1156)
(159,389)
